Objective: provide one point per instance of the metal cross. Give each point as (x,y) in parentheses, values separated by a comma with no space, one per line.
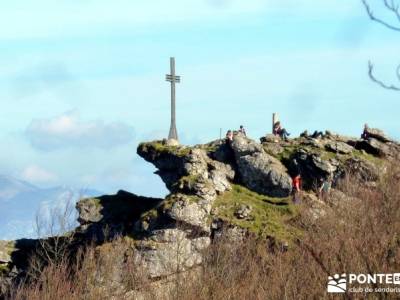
(173,134)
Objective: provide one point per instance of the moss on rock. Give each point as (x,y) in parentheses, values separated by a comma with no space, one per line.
(162,148)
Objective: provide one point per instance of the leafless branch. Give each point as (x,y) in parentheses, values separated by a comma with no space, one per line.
(394,8)
(380,82)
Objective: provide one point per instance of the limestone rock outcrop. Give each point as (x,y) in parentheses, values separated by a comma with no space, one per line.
(237,188)
(260,171)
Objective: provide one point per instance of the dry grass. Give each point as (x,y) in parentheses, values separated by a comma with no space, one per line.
(360,235)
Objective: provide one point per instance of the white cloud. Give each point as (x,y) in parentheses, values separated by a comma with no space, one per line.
(68,130)
(36,174)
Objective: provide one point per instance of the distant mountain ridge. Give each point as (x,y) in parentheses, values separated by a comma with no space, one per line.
(20,201)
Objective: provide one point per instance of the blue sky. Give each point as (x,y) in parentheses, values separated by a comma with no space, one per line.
(82,82)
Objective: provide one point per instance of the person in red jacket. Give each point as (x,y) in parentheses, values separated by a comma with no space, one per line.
(296,188)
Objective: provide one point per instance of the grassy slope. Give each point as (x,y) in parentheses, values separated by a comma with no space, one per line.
(269,216)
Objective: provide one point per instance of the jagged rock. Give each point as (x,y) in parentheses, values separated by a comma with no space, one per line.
(170,251)
(316,143)
(273,149)
(169,160)
(205,189)
(339,147)
(378,134)
(192,212)
(14,260)
(196,163)
(171,234)
(223,153)
(363,169)
(243,146)
(378,144)
(221,175)
(270,138)
(195,172)
(259,171)
(378,148)
(123,207)
(263,174)
(312,166)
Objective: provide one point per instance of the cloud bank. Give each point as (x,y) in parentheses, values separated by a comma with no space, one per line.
(68,130)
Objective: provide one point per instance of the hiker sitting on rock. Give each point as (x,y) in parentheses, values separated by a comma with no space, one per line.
(278,130)
(365,134)
(242,130)
(229,137)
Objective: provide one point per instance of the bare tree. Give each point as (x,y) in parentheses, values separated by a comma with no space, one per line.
(55,235)
(393,7)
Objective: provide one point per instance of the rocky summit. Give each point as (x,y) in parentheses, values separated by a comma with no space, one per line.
(239,187)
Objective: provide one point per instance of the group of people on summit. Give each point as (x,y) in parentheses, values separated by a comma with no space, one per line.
(325,184)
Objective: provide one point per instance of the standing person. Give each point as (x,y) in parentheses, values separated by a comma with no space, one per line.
(324,190)
(242,130)
(296,188)
(282,132)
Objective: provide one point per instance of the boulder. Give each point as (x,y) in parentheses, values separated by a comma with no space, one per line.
(378,134)
(221,175)
(193,171)
(243,146)
(260,171)
(120,208)
(193,212)
(170,251)
(339,147)
(263,174)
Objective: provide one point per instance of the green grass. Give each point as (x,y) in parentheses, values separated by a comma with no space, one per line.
(186,181)
(269,215)
(368,157)
(287,153)
(159,147)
